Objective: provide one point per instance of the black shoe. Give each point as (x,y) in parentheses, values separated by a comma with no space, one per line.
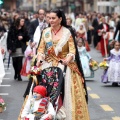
(19,78)
(15,77)
(114,84)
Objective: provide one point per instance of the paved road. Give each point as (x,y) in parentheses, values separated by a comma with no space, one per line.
(104,100)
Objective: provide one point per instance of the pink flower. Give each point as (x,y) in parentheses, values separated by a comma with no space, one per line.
(44,80)
(49,73)
(1,100)
(55,84)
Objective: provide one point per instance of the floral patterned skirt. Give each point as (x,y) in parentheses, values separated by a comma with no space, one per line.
(74,96)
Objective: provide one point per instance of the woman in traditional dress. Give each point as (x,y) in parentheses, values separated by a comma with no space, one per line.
(102,29)
(58,44)
(85,58)
(113,72)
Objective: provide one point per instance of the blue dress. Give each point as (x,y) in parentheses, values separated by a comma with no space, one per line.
(85,58)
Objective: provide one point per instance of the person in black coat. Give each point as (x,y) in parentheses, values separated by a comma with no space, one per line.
(117,30)
(95,24)
(16,45)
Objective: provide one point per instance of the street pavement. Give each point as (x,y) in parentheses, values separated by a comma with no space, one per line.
(104,100)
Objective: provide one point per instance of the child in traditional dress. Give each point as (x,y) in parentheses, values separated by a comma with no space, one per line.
(39,107)
(85,58)
(113,72)
(82,33)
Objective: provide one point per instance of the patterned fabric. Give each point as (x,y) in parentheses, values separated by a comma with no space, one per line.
(72,98)
(52,78)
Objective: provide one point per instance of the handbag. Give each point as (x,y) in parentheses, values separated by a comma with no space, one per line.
(61,114)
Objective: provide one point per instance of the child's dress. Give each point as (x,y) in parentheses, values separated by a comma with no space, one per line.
(29,53)
(85,58)
(113,72)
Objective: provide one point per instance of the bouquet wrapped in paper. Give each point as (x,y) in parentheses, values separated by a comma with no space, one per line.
(94,65)
(35,70)
(103,65)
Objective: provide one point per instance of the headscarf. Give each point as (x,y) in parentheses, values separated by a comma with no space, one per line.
(84,29)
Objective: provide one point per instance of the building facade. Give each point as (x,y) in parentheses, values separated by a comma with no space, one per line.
(10,4)
(102,6)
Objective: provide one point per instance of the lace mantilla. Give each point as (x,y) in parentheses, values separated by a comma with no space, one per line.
(65,37)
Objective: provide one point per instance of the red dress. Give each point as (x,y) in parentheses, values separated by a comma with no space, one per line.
(103,42)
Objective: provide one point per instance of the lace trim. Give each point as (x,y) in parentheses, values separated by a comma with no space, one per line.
(115,52)
(73,55)
(65,37)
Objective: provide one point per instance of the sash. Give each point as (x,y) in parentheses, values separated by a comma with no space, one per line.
(53,51)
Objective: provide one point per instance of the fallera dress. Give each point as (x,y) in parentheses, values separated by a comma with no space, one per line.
(74,96)
(114,66)
(112,74)
(85,59)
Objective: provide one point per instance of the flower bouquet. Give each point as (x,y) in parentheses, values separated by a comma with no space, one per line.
(2,105)
(35,70)
(94,65)
(103,65)
(30,55)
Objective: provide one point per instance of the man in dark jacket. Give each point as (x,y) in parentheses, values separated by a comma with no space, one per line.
(116,31)
(95,34)
(40,21)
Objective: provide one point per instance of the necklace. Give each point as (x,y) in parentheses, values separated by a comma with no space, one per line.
(57,30)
